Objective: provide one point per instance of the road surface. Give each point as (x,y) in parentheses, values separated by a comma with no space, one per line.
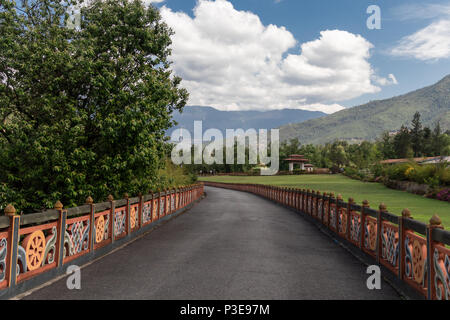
(231,245)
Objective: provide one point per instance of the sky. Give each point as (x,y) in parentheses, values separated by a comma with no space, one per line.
(316,55)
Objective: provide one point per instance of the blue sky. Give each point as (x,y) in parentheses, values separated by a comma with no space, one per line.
(413,45)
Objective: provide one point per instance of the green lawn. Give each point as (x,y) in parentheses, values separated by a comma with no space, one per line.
(421,208)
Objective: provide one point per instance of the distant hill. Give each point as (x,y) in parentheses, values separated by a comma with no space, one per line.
(213,118)
(370,120)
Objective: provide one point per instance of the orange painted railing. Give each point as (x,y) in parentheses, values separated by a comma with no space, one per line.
(33,244)
(413,251)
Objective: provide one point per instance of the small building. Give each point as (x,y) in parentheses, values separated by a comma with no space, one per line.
(299,159)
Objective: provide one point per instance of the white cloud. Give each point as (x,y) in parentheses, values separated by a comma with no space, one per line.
(391,79)
(229,60)
(429,43)
(421,11)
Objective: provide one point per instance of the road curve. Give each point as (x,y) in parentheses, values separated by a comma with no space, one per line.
(232,245)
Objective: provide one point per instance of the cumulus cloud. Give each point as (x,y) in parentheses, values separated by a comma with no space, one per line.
(229,60)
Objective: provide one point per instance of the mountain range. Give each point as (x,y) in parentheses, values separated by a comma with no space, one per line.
(370,120)
(222,120)
(364,122)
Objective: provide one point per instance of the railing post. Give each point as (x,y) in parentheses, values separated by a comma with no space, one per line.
(61,225)
(406,214)
(365,205)
(13,243)
(113,217)
(435,223)
(382,208)
(89,201)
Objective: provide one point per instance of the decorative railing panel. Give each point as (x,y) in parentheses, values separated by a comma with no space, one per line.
(36,251)
(76,237)
(161,206)
(102,228)
(134,216)
(155,209)
(441,270)
(326,207)
(333,216)
(355,228)
(370,236)
(168,199)
(416,270)
(147,213)
(3,255)
(343,221)
(390,249)
(319,209)
(120,222)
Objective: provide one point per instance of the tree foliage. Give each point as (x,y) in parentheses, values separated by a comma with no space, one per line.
(83,111)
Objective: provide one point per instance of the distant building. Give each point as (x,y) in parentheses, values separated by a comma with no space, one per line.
(299,159)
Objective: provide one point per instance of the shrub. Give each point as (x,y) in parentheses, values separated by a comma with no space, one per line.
(444,195)
(430,174)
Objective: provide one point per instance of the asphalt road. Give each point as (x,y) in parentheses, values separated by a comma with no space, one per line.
(231,245)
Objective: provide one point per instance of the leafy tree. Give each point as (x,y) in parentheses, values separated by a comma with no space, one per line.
(84,111)
(387,146)
(439,141)
(416,135)
(338,154)
(402,143)
(427,146)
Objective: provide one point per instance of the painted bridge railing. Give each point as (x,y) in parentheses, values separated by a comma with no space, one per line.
(414,251)
(32,244)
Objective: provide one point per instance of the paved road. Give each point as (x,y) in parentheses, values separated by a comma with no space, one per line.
(232,245)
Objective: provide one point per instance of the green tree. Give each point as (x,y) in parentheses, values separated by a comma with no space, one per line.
(402,143)
(387,146)
(416,134)
(84,111)
(439,141)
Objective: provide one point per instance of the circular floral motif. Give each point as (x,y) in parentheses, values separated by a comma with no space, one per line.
(99,229)
(34,245)
(418,261)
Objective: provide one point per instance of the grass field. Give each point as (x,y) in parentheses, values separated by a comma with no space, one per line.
(421,208)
